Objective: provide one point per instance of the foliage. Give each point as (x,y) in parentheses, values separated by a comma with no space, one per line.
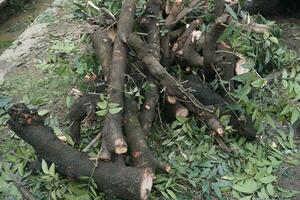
(200,168)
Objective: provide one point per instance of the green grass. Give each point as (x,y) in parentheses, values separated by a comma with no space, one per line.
(200,168)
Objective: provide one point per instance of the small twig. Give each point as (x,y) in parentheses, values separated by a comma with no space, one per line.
(103,10)
(92,143)
(26,194)
(222,144)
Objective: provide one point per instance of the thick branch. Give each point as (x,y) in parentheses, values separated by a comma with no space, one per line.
(124,182)
(176,88)
(153,38)
(241,125)
(189,52)
(103,48)
(210,42)
(83,108)
(112,130)
(139,151)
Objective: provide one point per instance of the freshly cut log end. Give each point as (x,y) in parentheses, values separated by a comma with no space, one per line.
(120,146)
(216,126)
(168,168)
(176,110)
(146,185)
(220,131)
(182,112)
(171,99)
(104,154)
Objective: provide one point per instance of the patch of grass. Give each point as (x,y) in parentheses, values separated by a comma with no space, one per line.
(4,44)
(200,168)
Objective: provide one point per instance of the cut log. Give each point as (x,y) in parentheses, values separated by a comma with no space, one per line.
(83,108)
(178,46)
(176,8)
(149,108)
(210,42)
(167,56)
(153,39)
(112,130)
(208,97)
(139,151)
(116,180)
(189,51)
(173,85)
(103,48)
(176,110)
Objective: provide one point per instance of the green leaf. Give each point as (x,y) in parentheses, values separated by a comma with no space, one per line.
(102,105)
(165,194)
(270,189)
(43,112)
(270,121)
(268,179)
(291,138)
(295,116)
(249,65)
(285,110)
(231,12)
(115,110)
(193,183)
(284,74)
(273,39)
(172,194)
(266,35)
(69,101)
(246,198)
(45,167)
(21,168)
(248,187)
(263,194)
(258,83)
(243,77)
(102,113)
(52,169)
(285,83)
(268,57)
(297,88)
(113,105)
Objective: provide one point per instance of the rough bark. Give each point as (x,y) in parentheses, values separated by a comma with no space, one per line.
(176,110)
(173,85)
(112,130)
(210,42)
(139,151)
(176,8)
(208,97)
(153,39)
(84,107)
(178,46)
(167,56)
(185,11)
(148,111)
(120,181)
(103,49)
(190,54)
